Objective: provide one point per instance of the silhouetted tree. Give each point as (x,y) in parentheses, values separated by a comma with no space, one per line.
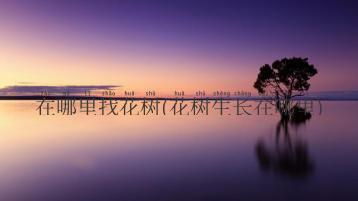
(285,79)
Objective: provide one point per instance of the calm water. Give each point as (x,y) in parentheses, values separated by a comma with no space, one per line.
(177,157)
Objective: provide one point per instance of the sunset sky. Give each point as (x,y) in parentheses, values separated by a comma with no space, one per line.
(174,45)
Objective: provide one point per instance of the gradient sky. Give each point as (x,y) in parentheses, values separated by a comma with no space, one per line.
(174,45)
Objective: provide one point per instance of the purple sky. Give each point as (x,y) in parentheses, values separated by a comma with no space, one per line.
(233,36)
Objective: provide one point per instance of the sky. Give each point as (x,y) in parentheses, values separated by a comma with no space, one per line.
(174,45)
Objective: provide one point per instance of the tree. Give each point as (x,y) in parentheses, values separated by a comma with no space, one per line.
(285,79)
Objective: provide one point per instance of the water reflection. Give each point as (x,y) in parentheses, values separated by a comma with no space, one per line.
(288,155)
(178,158)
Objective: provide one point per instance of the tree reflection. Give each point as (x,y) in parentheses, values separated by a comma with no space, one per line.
(286,156)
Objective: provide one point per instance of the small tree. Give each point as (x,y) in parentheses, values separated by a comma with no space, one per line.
(284,80)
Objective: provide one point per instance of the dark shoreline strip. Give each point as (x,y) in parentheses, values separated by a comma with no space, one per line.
(159,98)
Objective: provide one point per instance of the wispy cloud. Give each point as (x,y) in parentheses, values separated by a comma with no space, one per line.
(55,89)
(25,83)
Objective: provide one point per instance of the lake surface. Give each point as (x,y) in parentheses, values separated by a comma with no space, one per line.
(172,158)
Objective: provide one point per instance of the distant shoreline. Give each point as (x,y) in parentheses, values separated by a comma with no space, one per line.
(163,98)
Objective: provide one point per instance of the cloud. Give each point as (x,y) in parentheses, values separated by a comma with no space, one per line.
(56,89)
(25,83)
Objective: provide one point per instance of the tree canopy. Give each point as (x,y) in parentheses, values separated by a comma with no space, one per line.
(285,78)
